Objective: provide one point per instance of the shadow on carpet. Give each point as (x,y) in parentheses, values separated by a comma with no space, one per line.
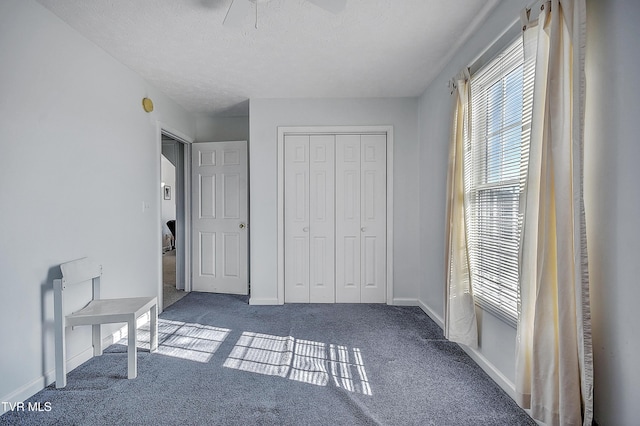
(222,361)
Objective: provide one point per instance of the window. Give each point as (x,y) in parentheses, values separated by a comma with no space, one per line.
(496,157)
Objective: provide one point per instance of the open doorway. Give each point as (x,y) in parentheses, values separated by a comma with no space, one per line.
(174,194)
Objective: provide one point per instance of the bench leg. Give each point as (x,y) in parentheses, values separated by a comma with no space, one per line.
(97,340)
(60,330)
(61,355)
(153,329)
(131,350)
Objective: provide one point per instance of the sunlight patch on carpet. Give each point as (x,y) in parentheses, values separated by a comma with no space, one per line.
(262,353)
(191,341)
(300,360)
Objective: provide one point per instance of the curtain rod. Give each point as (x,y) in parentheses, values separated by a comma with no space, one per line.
(508,34)
(526,15)
(534,4)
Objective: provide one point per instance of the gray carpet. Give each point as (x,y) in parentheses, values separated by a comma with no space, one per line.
(221,361)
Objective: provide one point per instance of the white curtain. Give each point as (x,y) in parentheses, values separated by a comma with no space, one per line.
(460,316)
(554,373)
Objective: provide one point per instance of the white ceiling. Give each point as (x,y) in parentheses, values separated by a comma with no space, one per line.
(373,48)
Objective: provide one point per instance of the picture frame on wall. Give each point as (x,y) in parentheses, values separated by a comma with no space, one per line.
(167,192)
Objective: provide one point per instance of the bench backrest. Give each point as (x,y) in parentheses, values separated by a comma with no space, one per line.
(77,272)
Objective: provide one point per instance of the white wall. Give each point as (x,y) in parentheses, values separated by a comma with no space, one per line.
(612,202)
(265,117)
(220,129)
(78,158)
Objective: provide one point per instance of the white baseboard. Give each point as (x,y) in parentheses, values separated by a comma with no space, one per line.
(257,301)
(495,374)
(404,301)
(431,313)
(492,371)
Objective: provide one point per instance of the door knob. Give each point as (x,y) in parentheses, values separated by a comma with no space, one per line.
(242,225)
(305,229)
(363,229)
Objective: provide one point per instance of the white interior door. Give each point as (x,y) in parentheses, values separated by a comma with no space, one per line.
(219,217)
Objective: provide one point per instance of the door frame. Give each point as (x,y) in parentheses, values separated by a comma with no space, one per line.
(333,130)
(183,227)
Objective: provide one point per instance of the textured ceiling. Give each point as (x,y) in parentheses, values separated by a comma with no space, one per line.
(373,48)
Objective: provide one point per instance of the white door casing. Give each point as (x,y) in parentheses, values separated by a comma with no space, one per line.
(333,130)
(219,217)
(334,218)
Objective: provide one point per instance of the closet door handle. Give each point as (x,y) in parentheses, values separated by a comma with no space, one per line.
(363,229)
(305,229)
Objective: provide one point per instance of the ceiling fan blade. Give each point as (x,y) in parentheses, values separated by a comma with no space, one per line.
(333,6)
(238,10)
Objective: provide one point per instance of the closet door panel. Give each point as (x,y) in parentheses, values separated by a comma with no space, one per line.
(373,218)
(322,219)
(296,217)
(347,196)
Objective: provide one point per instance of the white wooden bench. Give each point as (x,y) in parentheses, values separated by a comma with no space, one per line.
(98,311)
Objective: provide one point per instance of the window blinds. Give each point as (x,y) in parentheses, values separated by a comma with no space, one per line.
(496,157)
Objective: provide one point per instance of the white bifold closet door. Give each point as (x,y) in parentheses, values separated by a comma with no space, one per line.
(335,218)
(361,207)
(310,219)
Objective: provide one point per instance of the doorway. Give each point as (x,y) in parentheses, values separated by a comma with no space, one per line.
(174,190)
